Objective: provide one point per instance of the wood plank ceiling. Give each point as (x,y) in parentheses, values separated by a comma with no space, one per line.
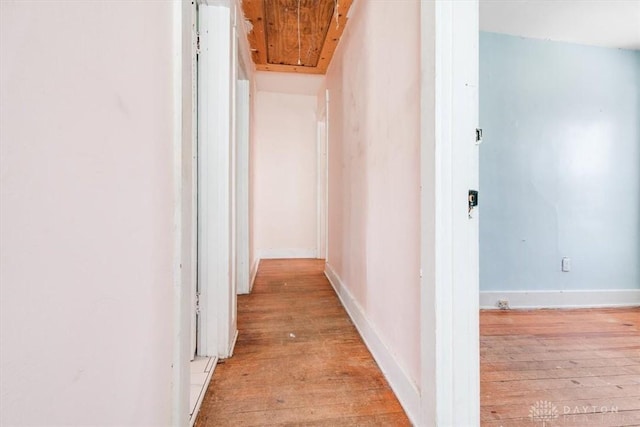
(298,36)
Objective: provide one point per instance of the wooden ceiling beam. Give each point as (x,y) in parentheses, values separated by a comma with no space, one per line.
(254,13)
(289,68)
(333,34)
(288,19)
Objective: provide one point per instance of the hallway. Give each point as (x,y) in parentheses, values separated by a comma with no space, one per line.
(298,359)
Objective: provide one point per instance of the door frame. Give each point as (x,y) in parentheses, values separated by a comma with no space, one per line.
(193,242)
(183,133)
(243,138)
(444,324)
(224,49)
(450,377)
(220,301)
(322,187)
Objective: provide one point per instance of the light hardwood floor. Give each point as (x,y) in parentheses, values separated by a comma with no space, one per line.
(565,367)
(298,360)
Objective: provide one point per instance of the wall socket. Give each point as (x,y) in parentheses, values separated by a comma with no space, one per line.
(503,304)
(566,264)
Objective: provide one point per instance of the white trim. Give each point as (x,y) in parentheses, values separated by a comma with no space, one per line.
(450,378)
(285,253)
(230,330)
(181,333)
(243,284)
(403,387)
(193,247)
(326,173)
(207,328)
(321,179)
(232,347)
(562,299)
(254,273)
(322,136)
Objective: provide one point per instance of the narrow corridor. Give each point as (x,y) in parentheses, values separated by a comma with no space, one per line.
(298,360)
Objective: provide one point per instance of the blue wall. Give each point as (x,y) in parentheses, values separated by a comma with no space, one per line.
(559,165)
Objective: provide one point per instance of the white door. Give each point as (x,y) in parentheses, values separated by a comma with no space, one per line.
(216,182)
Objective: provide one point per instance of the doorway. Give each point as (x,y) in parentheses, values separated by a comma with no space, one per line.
(217,141)
(221,229)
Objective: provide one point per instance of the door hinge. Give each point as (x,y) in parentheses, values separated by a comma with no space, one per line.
(197,302)
(478,136)
(198,49)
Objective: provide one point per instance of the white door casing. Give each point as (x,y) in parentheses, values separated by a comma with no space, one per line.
(450,391)
(242,182)
(322,183)
(193,243)
(183,15)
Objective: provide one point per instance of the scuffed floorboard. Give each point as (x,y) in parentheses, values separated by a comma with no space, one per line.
(562,367)
(298,359)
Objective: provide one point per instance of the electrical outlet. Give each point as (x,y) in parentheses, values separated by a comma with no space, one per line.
(566,264)
(503,304)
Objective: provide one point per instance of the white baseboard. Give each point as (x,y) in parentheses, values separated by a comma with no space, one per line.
(233,344)
(403,387)
(278,253)
(254,273)
(561,299)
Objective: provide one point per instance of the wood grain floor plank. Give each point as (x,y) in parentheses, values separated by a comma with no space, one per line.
(586,363)
(298,359)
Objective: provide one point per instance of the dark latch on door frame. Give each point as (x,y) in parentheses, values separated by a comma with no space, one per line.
(473,200)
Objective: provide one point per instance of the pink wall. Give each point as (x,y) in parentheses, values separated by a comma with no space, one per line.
(284,175)
(86,209)
(374,171)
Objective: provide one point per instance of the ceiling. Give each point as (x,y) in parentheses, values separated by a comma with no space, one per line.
(297,36)
(607,23)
